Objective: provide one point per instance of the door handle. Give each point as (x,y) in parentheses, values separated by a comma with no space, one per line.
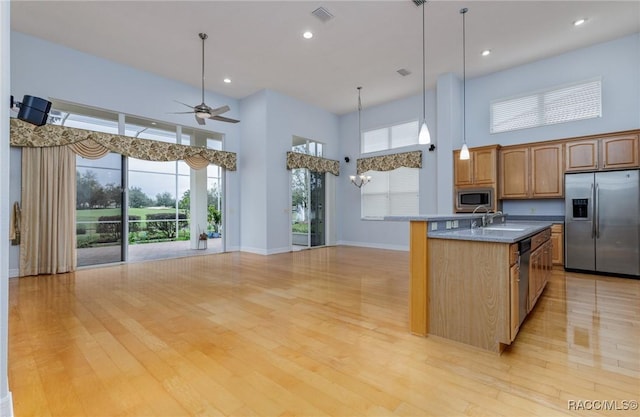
(593,213)
(596,215)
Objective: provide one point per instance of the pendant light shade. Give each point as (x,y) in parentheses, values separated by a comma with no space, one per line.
(424,137)
(464,152)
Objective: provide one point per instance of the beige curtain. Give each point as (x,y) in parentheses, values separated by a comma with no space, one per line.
(90,144)
(312,163)
(48,241)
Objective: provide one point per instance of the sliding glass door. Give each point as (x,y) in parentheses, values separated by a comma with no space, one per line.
(99,210)
(307,200)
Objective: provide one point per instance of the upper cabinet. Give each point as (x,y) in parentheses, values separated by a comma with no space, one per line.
(531,171)
(480,169)
(602,153)
(514,172)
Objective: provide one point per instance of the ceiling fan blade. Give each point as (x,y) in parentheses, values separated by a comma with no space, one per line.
(184,104)
(219,110)
(199,120)
(181,112)
(224,119)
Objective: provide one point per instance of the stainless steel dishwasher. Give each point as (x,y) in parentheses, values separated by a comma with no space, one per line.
(524,246)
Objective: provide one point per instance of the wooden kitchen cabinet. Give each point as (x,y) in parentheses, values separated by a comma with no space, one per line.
(514,173)
(539,266)
(603,153)
(532,171)
(480,169)
(557,244)
(547,175)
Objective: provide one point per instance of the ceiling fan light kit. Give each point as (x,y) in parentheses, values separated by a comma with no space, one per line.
(202,111)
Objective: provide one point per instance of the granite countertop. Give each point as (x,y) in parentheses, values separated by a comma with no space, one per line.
(507,232)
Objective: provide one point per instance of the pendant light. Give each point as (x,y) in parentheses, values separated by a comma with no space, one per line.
(424,138)
(464,152)
(361,179)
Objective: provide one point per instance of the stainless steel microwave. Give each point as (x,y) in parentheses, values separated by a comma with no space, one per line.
(468,199)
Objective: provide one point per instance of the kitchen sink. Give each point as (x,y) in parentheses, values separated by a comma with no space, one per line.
(503,228)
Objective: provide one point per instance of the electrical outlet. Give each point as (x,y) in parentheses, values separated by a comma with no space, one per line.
(434,226)
(532,210)
(455,224)
(448,224)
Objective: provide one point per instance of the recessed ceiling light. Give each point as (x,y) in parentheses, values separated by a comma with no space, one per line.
(307,35)
(227,80)
(486,52)
(579,22)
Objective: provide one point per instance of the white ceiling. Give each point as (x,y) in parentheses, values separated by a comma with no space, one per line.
(259,44)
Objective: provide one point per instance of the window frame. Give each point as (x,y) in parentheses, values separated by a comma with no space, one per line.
(389,130)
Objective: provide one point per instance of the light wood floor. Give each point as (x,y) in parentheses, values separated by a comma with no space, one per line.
(316,332)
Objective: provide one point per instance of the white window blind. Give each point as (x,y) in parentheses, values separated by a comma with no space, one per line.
(391,137)
(558,105)
(391,193)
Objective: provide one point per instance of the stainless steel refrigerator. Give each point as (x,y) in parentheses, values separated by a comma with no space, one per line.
(602,222)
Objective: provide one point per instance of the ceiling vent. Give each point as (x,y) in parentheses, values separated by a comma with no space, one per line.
(322,14)
(404,72)
(419,2)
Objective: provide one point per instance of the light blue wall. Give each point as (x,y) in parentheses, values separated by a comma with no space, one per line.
(374,233)
(288,117)
(252,167)
(617,62)
(257,213)
(44,69)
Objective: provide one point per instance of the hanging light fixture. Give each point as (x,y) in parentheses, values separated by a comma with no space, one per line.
(424,138)
(464,152)
(361,179)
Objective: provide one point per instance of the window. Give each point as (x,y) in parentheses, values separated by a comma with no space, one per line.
(557,105)
(391,193)
(158,192)
(395,136)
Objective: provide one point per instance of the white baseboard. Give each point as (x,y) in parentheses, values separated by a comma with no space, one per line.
(14,273)
(279,250)
(404,248)
(6,406)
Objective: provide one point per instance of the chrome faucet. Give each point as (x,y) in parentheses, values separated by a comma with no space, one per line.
(484,216)
(491,216)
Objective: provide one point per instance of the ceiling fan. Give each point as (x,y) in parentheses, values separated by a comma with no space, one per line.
(202,111)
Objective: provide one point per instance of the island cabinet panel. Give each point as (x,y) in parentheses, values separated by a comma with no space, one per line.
(514,291)
(418,288)
(540,264)
(470,292)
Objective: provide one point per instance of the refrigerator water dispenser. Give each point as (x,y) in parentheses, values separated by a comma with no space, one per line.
(580,208)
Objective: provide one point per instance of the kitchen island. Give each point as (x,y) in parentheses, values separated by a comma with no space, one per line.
(465,281)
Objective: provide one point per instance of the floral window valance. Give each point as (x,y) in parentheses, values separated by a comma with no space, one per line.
(93,145)
(312,163)
(390,162)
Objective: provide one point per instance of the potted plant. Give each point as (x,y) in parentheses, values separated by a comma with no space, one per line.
(215,218)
